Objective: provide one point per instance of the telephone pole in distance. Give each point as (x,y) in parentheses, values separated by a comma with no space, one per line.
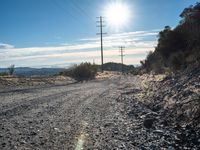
(122,56)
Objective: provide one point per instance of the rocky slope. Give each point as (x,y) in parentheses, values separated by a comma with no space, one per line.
(174,109)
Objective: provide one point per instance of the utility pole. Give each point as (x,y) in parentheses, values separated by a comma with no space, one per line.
(101,38)
(122,56)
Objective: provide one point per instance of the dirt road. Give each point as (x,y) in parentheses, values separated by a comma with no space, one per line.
(75,116)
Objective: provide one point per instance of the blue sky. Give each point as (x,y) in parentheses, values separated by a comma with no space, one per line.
(48,33)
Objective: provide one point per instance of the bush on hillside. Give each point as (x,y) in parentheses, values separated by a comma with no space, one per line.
(11,69)
(177,61)
(136,71)
(153,62)
(177,48)
(4,74)
(83,71)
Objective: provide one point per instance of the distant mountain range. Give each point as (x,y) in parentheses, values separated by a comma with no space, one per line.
(26,71)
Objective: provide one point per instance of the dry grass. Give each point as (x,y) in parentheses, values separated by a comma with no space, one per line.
(33,81)
(106,74)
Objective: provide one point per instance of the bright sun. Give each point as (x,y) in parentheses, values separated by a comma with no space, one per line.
(117,15)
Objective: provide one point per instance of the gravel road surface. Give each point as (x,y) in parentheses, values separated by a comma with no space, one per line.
(74,116)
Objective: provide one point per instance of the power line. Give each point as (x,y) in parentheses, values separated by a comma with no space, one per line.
(101,38)
(60,7)
(83,12)
(67,13)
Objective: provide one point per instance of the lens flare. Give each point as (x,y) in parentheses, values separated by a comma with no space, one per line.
(117,14)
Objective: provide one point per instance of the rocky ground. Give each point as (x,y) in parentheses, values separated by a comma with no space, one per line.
(119,112)
(175,102)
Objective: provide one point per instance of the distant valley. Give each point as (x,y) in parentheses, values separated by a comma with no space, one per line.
(26,71)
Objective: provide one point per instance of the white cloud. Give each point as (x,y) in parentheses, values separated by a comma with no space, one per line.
(86,50)
(6,46)
(137,35)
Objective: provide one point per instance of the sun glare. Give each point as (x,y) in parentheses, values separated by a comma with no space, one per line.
(117,15)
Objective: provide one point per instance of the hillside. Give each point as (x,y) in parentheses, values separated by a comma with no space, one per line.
(178,48)
(27,72)
(111,66)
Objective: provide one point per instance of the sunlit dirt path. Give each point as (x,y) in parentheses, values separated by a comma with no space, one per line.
(76,116)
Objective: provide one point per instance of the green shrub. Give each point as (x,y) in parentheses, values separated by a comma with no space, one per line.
(11,69)
(136,71)
(177,61)
(3,73)
(177,48)
(84,71)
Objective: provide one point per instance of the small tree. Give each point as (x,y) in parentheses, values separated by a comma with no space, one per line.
(11,69)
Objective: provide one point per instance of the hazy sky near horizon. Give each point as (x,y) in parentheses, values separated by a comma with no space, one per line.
(58,33)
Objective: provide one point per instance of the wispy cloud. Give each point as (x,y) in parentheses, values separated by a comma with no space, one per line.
(5,46)
(87,49)
(127,36)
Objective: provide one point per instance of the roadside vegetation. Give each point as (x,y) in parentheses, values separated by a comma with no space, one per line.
(10,71)
(83,71)
(177,48)
(4,74)
(88,71)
